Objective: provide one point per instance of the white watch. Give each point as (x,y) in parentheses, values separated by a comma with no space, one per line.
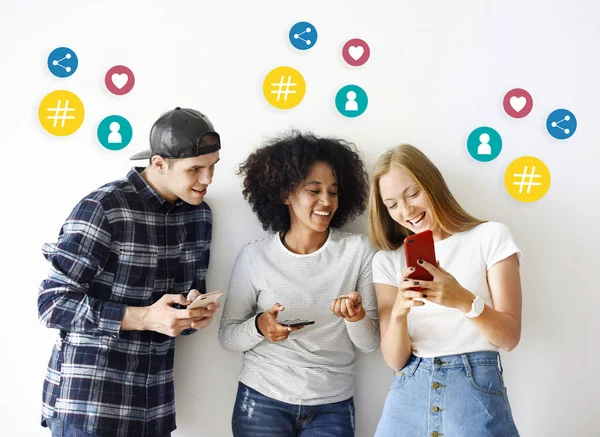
(476,308)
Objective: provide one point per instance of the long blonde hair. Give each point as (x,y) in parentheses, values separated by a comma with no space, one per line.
(384,232)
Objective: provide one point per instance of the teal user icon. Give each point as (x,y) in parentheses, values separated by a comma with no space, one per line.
(484,144)
(114,132)
(351,101)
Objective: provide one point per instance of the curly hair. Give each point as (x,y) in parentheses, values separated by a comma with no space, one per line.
(272,172)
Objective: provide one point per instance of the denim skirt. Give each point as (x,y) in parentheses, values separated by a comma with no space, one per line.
(450,396)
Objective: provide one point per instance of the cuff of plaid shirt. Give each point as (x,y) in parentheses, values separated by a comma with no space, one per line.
(111,318)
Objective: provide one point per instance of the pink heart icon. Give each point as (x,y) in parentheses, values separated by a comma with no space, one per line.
(356,52)
(517,103)
(119,80)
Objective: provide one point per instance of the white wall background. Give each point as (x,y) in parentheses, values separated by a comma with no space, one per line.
(438,70)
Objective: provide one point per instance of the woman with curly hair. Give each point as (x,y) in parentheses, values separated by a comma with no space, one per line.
(299,381)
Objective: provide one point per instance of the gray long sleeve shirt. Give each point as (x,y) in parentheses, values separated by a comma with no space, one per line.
(314,365)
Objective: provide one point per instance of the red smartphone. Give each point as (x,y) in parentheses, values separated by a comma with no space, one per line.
(416,247)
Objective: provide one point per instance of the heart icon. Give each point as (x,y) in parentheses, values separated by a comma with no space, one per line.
(356,52)
(518,103)
(120,80)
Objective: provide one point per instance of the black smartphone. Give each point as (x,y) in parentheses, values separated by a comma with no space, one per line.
(294,323)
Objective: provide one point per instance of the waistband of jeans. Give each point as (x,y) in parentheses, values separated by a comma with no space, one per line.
(467,360)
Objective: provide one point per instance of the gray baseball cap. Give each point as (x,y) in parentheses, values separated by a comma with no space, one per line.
(178,134)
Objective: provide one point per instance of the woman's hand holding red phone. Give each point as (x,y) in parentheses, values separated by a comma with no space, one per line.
(405,299)
(444,289)
(430,281)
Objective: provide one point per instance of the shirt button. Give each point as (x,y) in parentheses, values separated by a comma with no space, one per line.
(436,385)
(435,409)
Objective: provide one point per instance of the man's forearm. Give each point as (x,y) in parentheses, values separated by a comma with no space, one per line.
(134,319)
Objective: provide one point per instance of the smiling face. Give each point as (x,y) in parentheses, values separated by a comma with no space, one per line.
(315,200)
(407,203)
(189,178)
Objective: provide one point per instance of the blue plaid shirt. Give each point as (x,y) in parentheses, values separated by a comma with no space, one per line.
(123,244)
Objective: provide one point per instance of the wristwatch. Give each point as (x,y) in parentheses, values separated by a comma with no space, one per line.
(476,308)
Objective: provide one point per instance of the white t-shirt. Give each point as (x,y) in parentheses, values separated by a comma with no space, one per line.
(436,330)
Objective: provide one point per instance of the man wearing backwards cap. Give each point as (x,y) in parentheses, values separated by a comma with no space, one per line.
(128,256)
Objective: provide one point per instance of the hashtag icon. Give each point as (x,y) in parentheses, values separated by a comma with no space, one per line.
(283,88)
(527,179)
(61,113)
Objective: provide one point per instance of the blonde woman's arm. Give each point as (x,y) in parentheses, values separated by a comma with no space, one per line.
(394,304)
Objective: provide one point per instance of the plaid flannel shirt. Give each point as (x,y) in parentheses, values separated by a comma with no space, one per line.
(123,244)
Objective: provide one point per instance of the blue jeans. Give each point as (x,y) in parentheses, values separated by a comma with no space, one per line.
(61,429)
(58,428)
(256,415)
(455,395)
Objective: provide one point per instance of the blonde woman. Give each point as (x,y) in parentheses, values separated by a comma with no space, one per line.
(443,341)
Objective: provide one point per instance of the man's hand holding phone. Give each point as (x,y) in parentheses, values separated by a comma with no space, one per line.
(162,317)
(205,305)
(270,328)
